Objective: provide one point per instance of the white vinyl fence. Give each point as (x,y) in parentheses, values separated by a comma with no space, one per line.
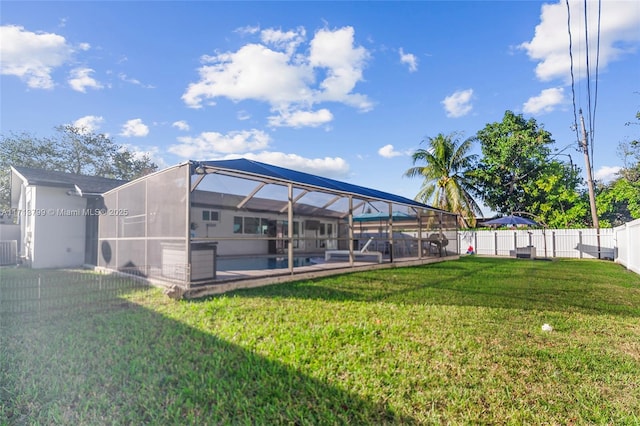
(575,243)
(627,238)
(621,244)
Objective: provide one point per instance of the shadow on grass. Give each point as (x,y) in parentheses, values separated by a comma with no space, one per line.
(131,365)
(593,287)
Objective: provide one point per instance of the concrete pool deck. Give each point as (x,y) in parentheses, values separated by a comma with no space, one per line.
(234,280)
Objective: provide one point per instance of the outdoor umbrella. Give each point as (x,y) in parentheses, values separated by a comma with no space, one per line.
(511,220)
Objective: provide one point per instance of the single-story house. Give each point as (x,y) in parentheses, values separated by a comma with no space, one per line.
(204,222)
(190,221)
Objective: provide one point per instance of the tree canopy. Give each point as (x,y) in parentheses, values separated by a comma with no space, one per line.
(72,150)
(446,185)
(518,172)
(619,201)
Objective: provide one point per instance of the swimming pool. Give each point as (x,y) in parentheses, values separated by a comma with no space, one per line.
(251,263)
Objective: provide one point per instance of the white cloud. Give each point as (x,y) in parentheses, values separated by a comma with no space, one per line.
(32,56)
(287,41)
(409,59)
(549,47)
(546,101)
(252,145)
(301,118)
(134,81)
(128,79)
(282,73)
(212,144)
(181,125)
(80,79)
(253,72)
(153,152)
(607,173)
(344,63)
(135,128)
(389,151)
(332,167)
(248,30)
(90,123)
(459,103)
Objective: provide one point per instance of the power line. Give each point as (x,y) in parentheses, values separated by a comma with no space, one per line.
(583,142)
(591,108)
(588,71)
(592,95)
(595,100)
(573,81)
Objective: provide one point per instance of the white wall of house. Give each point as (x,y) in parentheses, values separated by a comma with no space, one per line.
(54,228)
(9,232)
(26,222)
(253,238)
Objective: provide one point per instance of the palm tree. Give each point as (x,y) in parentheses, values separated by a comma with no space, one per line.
(446,183)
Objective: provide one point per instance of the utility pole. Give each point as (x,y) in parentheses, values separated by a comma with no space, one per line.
(592,194)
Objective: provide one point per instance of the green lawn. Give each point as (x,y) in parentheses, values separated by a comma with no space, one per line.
(458,342)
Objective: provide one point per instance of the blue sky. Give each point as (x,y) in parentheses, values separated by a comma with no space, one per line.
(341,89)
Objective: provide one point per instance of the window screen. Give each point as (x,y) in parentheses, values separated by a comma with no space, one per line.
(237,225)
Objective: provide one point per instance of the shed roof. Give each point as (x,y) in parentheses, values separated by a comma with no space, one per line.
(88,184)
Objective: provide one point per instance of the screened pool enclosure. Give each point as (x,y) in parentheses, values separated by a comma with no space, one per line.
(203,223)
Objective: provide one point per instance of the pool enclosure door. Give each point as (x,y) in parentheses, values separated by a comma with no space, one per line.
(275,231)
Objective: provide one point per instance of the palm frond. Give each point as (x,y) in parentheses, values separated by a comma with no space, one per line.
(445,165)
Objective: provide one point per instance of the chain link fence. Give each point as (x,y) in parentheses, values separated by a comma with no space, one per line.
(28,295)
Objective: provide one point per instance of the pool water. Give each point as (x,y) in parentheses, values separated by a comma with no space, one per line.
(251,263)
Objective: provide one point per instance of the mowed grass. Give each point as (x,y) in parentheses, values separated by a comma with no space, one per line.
(451,343)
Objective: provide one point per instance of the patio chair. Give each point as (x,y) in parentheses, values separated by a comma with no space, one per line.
(356,254)
(437,242)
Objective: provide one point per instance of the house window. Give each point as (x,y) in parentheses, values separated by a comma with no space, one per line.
(285,228)
(210,215)
(325,229)
(251,225)
(237,225)
(264,226)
